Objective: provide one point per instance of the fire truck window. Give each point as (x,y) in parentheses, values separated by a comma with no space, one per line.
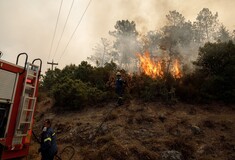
(2,115)
(4,108)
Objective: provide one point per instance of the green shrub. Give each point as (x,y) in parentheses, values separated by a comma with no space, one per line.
(216,68)
(75,94)
(146,88)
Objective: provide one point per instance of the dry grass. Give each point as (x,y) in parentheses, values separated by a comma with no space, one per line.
(143,131)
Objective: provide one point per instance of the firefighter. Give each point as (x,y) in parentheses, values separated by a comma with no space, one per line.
(48,147)
(119,88)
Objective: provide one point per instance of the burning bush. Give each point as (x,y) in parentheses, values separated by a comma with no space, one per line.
(157,67)
(145,87)
(212,80)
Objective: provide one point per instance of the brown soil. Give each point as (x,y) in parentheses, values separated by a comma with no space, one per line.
(142,131)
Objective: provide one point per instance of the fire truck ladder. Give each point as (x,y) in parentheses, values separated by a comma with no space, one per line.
(28,100)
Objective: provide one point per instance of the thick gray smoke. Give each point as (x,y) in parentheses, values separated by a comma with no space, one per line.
(28,26)
(181,41)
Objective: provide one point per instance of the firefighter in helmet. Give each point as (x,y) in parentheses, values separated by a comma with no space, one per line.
(119,88)
(48,146)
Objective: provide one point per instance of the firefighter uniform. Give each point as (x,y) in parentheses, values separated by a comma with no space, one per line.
(119,88)
(48,147)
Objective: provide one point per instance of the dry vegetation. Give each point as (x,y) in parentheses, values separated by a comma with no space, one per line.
(142,131)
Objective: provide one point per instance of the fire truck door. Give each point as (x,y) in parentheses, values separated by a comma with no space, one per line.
(7,87)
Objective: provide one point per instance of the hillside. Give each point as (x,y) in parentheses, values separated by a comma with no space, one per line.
(143,131)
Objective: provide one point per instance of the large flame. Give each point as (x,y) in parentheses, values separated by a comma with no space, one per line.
(175,71)
(155,69)
(149,66)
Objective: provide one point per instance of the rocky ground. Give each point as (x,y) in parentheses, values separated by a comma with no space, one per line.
(144,131)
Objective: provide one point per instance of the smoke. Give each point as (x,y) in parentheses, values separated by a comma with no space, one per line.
(27,26)
(154,21)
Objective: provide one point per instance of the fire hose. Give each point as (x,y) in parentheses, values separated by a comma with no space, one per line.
(101,124)
(63,150)
(91,139)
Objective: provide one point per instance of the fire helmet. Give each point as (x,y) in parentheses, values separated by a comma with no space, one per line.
(118,74)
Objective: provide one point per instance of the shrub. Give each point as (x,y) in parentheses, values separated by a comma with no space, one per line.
(146,88)
(216,67)
(75,94)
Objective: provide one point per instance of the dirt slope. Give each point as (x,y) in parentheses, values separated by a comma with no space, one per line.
(143,131)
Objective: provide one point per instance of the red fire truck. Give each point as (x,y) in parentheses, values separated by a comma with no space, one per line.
(18,95)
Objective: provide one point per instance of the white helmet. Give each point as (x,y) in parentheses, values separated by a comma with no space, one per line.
(118,74)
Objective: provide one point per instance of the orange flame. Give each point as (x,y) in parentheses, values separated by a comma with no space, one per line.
(175,69)
(155,69)
(149,67)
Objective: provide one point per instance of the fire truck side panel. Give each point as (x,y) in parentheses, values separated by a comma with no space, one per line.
(7,85)
(15,153)
(14,111)
(10,67)
(11,148)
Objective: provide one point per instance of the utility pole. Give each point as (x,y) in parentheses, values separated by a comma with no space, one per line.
(52,64)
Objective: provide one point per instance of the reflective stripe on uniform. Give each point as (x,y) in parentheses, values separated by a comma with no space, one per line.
(47,139)
(53,134)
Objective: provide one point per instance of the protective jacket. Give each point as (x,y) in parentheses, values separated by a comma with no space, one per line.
(48,147)
(119,86)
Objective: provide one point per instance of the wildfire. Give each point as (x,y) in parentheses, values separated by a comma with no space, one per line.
(175,69)
(155,69)
(149,67)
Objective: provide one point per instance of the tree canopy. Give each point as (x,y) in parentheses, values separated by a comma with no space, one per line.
(216,64)
(126,43)
(204,38)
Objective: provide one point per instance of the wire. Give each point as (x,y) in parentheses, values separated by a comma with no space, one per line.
(75,30)
(61,2)
(71,148)
(64,28)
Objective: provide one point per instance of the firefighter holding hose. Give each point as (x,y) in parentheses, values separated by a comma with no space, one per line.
(48,146)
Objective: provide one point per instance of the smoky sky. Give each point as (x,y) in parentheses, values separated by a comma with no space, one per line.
(28,25)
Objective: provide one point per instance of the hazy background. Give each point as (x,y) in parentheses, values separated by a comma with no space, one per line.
(28,25)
